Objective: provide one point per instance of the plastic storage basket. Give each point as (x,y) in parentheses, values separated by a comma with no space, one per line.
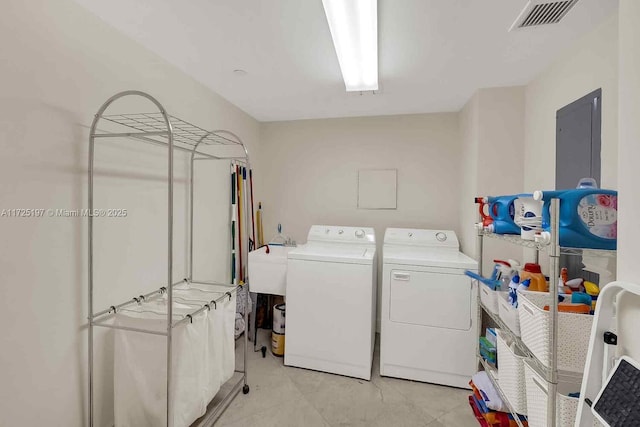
(489,297)
(508,314)
(511,375)
(537,394)
(574,331)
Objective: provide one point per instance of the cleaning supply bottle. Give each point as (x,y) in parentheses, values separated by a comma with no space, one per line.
(524,285)
(505,271)
(528,215)
(538,281)
(502,212)
(562,282)
(576,285)
(483,209)
(588,217)
(513,290)
(593,291)
(581,298)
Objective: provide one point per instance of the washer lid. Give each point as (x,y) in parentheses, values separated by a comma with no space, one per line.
(427,257)
(346,254)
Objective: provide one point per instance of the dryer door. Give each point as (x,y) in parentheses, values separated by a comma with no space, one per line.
(439,298)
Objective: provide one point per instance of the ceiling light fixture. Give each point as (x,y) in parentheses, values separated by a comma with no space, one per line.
(354,29)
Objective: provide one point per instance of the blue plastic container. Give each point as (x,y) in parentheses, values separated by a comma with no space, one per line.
(588,217)
(503,212)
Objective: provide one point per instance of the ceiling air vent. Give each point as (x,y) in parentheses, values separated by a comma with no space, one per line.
(542,12)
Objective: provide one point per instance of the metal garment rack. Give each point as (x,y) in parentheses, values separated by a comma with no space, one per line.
(159,128)
(554,250)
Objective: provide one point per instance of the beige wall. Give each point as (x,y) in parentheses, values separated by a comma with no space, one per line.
(591,64)
(629,172)
(59,64)
(492,133)
(469,119)
(313,167)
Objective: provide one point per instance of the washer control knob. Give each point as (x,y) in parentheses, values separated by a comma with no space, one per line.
(340,231)
(326,231)
(359,234)
(410,234)
(441,237)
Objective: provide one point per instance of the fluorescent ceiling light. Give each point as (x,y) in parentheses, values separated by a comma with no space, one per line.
(354,29)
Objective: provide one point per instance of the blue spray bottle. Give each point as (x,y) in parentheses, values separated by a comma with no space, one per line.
(513,290)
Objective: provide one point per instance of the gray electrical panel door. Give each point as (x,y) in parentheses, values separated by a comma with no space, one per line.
(578,127)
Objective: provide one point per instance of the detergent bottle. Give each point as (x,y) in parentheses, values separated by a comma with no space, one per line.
(483,209)
(528,215)
(502,212)
(534,272)
(588,217)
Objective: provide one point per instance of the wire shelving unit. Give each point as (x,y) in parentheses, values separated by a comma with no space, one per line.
(173,134)
(553,249)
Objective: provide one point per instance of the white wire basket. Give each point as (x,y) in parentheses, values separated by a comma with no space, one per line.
(537,395)
(509,314)
(574,331)
(511,374)
(489,297)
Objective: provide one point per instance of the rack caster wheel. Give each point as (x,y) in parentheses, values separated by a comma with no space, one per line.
(245,389)
(264,351)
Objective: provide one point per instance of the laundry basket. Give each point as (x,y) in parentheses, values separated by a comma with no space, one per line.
(537,394)
(511,374)
(574,331)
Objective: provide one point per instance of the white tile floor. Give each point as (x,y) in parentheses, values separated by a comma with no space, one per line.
(283,396)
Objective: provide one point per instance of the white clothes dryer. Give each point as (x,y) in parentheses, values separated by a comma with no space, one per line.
(429,311)
(331,300)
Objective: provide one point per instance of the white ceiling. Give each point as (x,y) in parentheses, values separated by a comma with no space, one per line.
(433,54)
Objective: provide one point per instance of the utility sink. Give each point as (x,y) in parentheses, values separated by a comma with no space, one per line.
(268,271)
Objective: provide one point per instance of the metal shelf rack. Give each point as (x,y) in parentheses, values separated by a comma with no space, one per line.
(554,250)
(160,128)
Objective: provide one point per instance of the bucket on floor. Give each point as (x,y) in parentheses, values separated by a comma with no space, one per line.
(277,344)
(278,318)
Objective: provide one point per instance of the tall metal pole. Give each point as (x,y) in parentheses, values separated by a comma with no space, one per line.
(247,295)
(554,259)
(190,256)
(170,274)
(90,271)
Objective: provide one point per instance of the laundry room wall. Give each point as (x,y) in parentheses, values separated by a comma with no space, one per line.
(492,134)
(591,63)
(313,169)
(313,166)
(629,173)
(60,63)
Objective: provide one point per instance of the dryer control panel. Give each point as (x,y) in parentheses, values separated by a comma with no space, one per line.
(339,234)
(418,237)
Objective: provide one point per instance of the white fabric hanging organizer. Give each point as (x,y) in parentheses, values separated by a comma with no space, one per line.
(204,357)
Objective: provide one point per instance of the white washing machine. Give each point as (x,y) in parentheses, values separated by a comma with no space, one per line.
(331,300)
(429,312)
